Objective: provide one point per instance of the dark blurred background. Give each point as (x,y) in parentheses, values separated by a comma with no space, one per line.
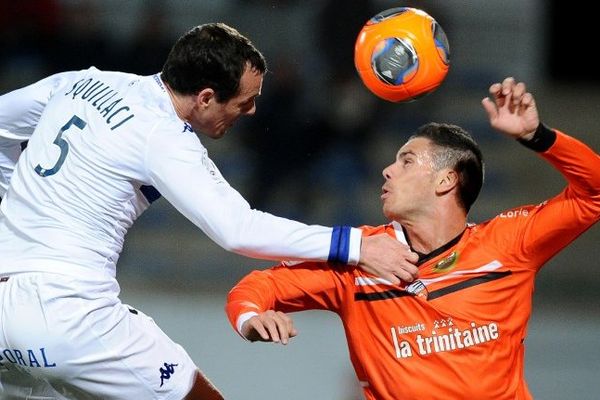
(315,151)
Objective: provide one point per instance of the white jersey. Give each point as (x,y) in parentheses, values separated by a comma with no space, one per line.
(101,146)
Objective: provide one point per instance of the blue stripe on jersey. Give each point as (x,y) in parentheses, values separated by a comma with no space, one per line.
(150,193)
(339,249)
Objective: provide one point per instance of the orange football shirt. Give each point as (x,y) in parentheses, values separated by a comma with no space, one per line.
(457,332)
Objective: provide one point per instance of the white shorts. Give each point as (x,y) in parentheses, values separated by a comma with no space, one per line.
(68,338)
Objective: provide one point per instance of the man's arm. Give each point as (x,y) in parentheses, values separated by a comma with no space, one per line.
(555,223)
(9,154)
(20,111)
(179,168)
(257,305)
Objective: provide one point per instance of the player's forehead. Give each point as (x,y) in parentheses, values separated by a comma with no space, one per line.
(250,84)
(416,146)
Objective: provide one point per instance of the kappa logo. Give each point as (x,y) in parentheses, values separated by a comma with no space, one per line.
(166,372)
(187,127)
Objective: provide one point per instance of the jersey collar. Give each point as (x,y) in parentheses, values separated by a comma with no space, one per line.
(403,238)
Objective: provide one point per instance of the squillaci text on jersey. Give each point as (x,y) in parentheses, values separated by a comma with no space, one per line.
(104,99)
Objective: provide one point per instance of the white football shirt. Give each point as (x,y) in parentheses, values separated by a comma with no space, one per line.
(102,145)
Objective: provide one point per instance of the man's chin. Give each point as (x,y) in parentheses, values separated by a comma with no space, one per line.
(219,135)
(387,214)
(216,135)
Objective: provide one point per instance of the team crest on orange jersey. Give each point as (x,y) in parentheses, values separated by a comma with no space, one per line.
(446,264)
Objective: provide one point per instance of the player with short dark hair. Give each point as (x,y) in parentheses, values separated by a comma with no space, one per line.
(458,331)
(455,148)
(102,146)
(209,49)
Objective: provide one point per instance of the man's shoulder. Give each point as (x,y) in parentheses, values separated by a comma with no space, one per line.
(502,227)
(94,73)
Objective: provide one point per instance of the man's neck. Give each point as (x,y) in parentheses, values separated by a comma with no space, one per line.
(179,104)
(427,235)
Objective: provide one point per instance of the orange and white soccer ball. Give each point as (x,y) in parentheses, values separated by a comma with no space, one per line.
(402,54)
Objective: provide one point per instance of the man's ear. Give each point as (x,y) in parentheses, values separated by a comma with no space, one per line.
(446,181)
(204,97)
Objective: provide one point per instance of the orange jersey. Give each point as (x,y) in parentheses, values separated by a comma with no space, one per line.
(457,332)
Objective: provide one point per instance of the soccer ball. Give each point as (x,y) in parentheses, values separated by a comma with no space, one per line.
(402,54)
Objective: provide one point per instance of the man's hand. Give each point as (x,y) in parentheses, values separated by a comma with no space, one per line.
(269,326)
(511,109)
(384,256)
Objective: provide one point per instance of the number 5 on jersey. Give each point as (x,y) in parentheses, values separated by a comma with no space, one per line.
(63,145)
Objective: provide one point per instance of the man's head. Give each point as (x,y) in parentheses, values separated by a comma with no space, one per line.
(220,71)
(437,161)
